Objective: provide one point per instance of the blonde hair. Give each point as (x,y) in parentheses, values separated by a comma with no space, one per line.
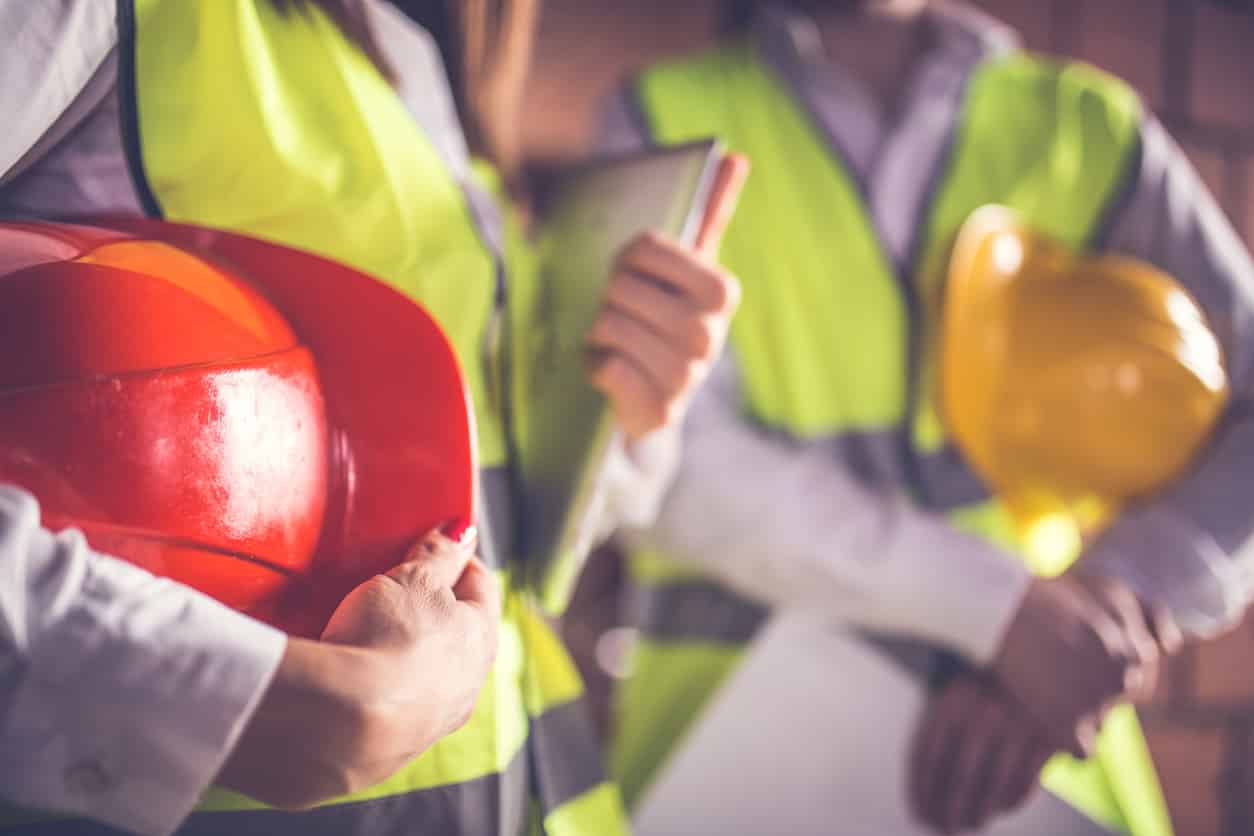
(487,47)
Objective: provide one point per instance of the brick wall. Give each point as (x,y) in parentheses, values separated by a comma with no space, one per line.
(1194,64)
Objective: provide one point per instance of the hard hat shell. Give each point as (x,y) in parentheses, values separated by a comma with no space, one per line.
(265,425)
(1071,380)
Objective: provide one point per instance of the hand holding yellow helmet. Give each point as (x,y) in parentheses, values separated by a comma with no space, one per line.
(1073,384)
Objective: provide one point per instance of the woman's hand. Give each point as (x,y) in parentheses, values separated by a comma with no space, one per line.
(666,316)
(434,618)
(977,755)
(400,666)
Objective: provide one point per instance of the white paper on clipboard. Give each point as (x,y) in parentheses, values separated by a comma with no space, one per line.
(809,737)
(596,209)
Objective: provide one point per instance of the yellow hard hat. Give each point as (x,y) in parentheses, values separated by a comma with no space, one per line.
(1072,383)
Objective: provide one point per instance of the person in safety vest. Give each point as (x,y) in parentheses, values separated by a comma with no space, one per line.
(823,465)
(439,700)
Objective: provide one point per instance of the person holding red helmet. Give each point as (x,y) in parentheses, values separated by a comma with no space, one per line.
(437,700)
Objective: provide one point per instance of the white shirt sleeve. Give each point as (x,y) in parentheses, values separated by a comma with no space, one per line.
(631,487)
(779,522)
(121,694)
(50,72)
(1188,547)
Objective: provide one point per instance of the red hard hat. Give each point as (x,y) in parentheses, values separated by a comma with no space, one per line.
(265,425)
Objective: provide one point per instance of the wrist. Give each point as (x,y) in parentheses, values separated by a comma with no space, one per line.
(307,741)
(968,600)
(1039,605)
(377,709)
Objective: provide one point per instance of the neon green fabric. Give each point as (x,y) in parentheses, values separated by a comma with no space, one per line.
(655,706)
(1051,141)
(530,324)
(598,811)
(822,337)
(553,680)
(323,155)
(797,332)
(276,125)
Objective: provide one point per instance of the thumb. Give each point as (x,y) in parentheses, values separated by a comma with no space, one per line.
(478,586)
(445,559)
(730,178)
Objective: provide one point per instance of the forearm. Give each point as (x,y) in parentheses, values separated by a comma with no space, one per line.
(310,738)
(137,681)
(399,666)
(339,719)
(1185,549)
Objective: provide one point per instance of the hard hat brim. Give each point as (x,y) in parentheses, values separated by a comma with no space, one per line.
(403,457)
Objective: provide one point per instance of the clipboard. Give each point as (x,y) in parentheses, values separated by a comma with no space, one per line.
(595,210)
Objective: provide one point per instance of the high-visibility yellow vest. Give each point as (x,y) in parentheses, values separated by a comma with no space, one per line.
(239,116)
(836,343)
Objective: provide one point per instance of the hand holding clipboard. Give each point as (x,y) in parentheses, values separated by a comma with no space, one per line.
(667,310)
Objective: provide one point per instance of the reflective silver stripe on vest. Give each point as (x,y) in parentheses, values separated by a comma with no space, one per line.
(500,494)
(702,611)
(945,482)
(920,660)
(941,481)
(566,757)
(496,525)
(694,610)
(494,805)
(881,460)
(566,763)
